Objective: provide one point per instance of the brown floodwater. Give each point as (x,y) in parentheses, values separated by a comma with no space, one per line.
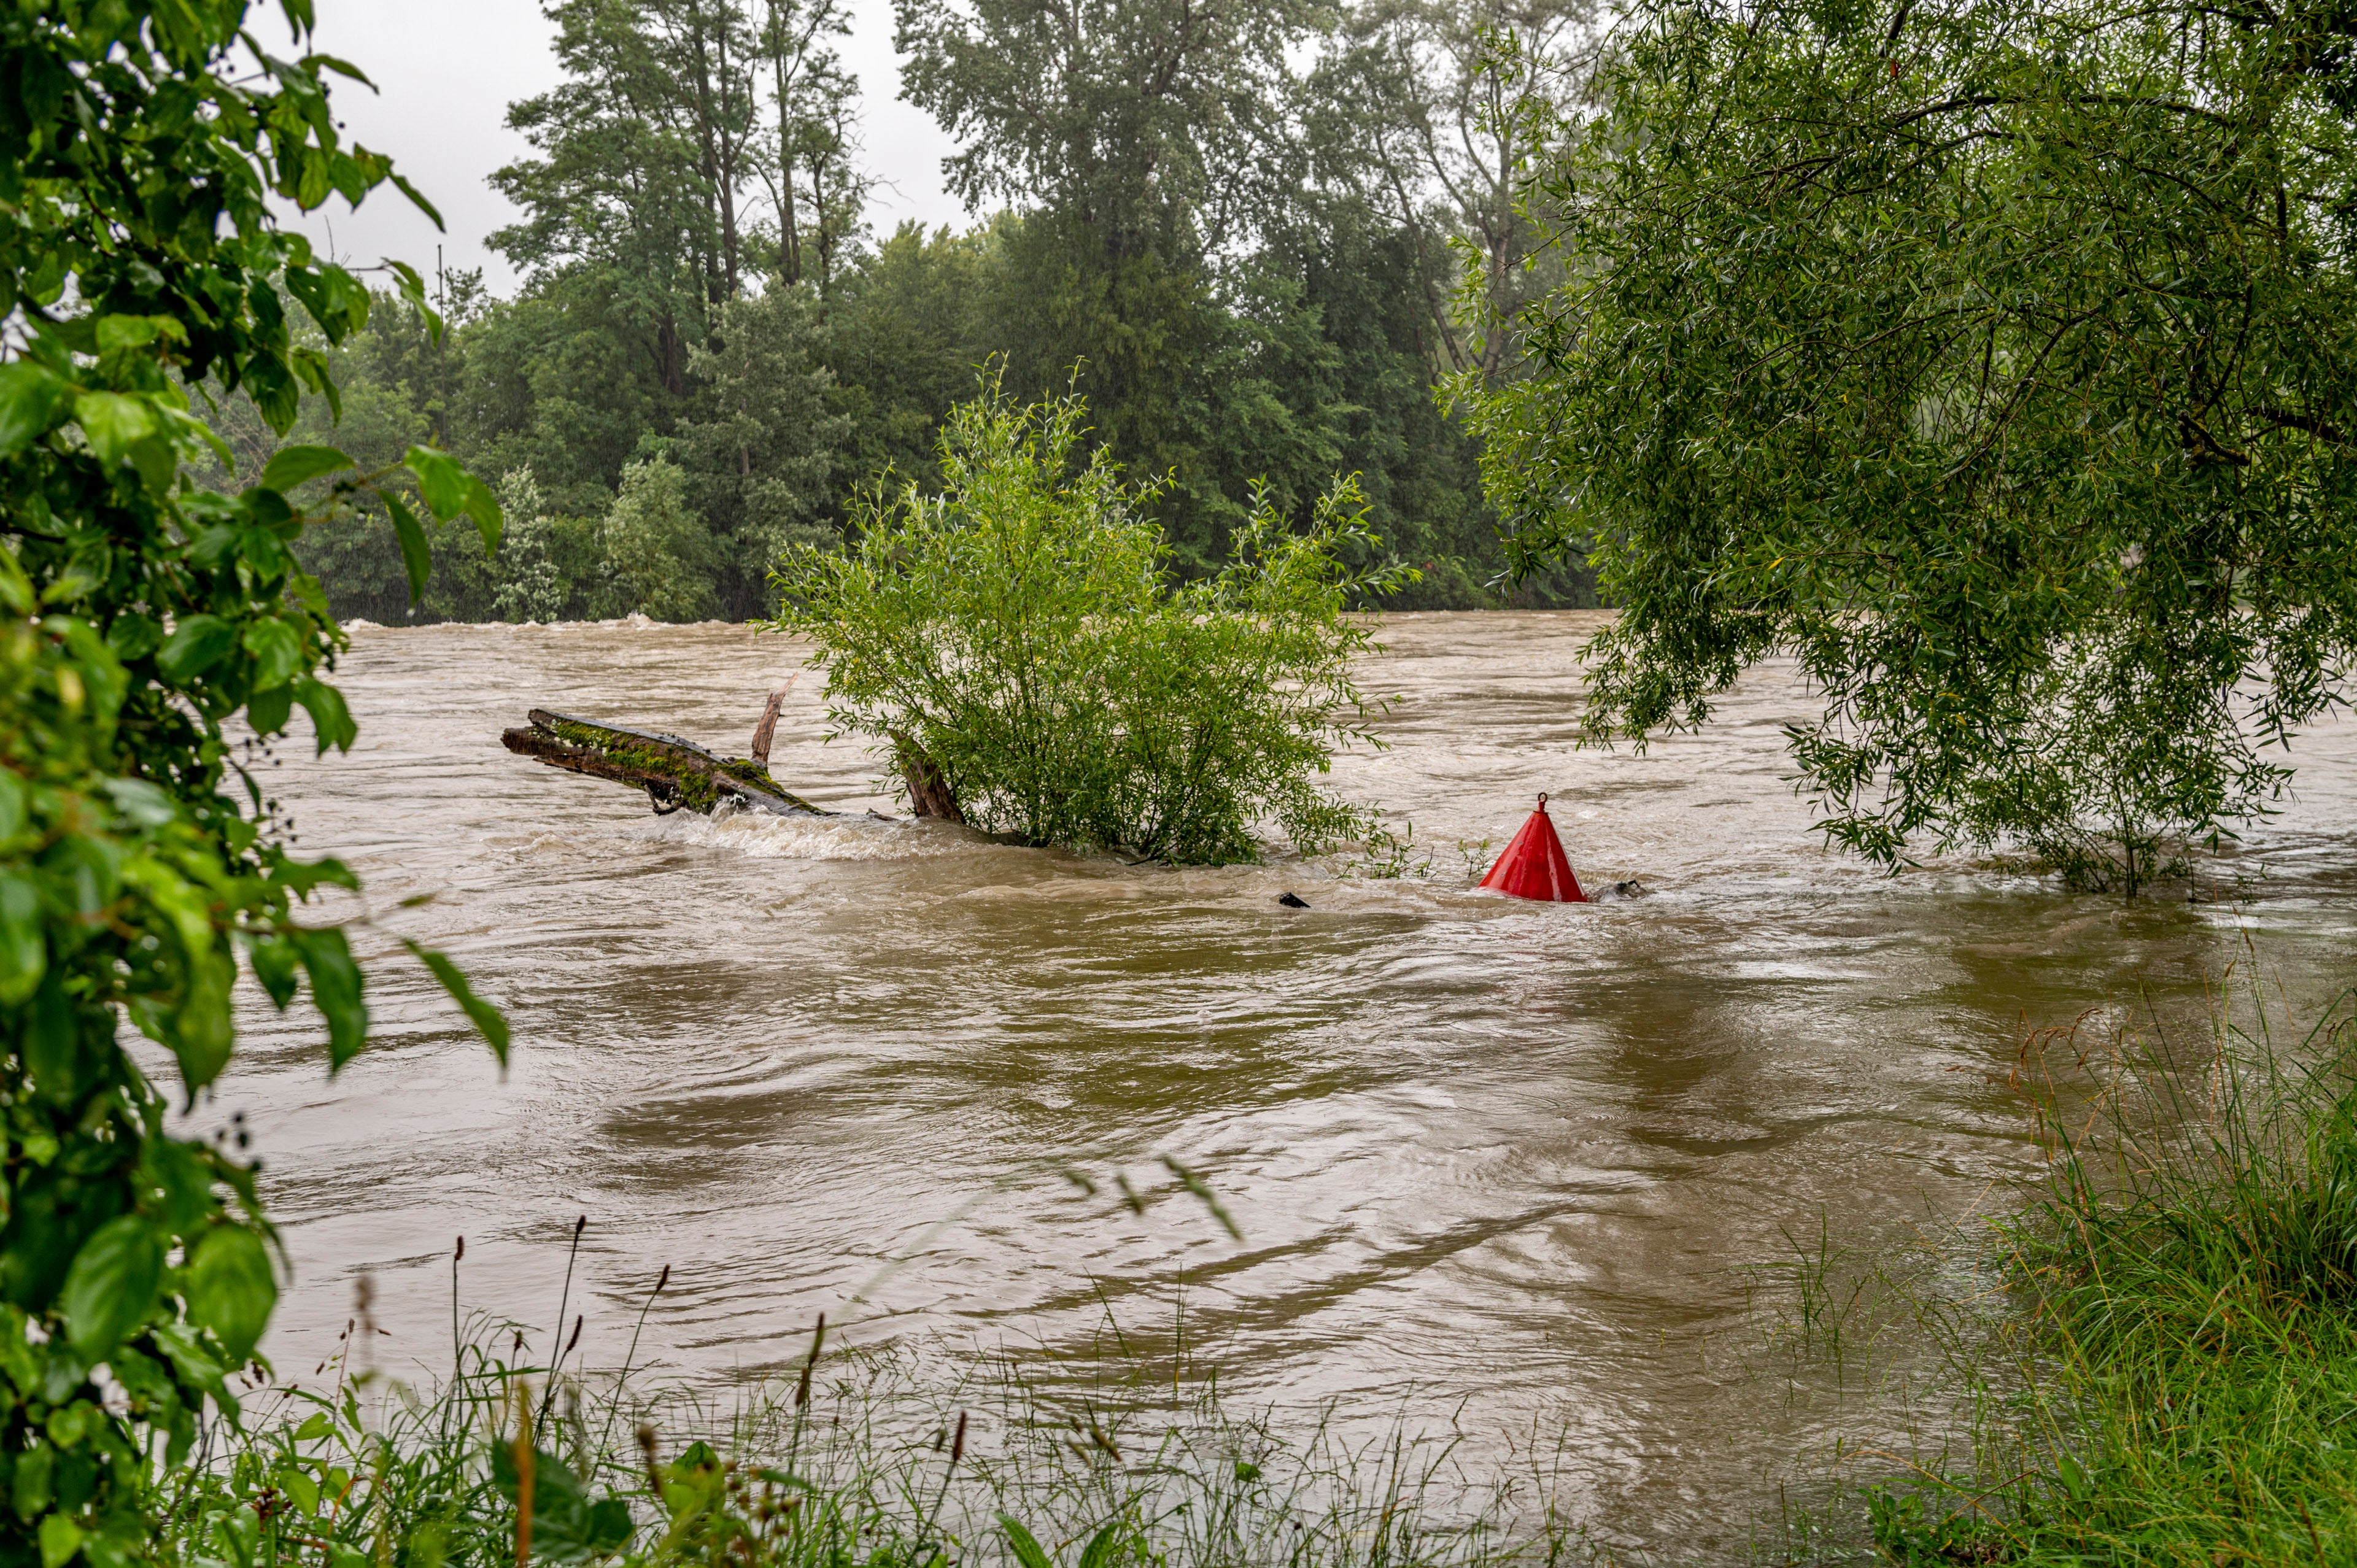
(1507,1164)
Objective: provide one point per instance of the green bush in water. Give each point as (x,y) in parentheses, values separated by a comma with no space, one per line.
(1020,631)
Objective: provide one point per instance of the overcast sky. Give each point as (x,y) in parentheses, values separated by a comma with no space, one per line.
(446,70)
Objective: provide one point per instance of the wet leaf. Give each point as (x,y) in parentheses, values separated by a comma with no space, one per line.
(23,949)
(414,553)
(335,989)
(1027,1550)
(487,1020)
(293,465)
(111,1284)
(29,398)
(230,1289)
(196,645)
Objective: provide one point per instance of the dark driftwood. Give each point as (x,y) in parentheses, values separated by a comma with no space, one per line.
(675,773)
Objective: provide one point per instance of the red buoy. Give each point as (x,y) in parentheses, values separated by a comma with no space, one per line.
(1535,865)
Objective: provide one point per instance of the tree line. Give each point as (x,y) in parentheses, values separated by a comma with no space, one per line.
(1240,231)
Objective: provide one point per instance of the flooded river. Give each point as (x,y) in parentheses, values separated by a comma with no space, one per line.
(1494,1162)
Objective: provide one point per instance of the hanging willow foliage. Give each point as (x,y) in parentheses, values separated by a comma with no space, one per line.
(1995,361)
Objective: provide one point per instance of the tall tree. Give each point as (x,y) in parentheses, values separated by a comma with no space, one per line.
(815,188)
(644,151)
(761,454)
(1131,118)
(1994,360)
(1427,109)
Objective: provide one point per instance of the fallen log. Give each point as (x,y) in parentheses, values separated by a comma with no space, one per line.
(676,774)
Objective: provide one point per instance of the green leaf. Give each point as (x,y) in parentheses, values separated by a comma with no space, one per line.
(414,552)
(275,961)
(336,989)
(277,650)
(417,200)
(61,1539)
(609,1527)
(196,645)
(300,1488)
(213,545)
(330,717)
(134,636)
(303,876)
(144,803)
(230,1290)
(16,588)
(111,1285)
(341,68)
(52,1045)
(1026,1548)
(440,480)
(188,1358)
(29,1491)
(23,951)
(487,1020)
(268,712)
(113,423)
(1103,1546)
(124,332)
(484,508)
(29,398)
(292,466)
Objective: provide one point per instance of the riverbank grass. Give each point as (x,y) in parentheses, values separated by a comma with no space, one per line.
(863,1459)
(2176,1383)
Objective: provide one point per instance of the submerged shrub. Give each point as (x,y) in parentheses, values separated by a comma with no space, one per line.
(1019,632)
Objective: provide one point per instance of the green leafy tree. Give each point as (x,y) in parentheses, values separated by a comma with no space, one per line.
(1418,112)
(904,335)
(1994,362)
(535,587)
(816,189)
(139,615)
(1015,631)
(658,557)
(761,461)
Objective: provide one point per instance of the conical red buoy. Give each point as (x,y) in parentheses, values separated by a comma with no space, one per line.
(1535,865)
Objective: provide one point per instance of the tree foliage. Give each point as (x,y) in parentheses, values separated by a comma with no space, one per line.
(139,616)
(1017,629)
(1234,238)
(1995,361)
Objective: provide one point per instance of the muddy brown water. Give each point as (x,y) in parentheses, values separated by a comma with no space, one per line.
(1497,1164)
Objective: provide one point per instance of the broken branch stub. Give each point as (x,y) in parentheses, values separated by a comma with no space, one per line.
(764,732)
(676,774)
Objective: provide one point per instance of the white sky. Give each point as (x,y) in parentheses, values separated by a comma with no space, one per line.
(446,70)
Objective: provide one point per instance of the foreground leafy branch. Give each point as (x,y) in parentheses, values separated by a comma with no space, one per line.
(139,616)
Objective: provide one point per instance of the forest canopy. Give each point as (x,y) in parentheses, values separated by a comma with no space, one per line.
(1238,231)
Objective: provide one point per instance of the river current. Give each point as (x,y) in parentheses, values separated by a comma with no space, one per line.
(1510,1166)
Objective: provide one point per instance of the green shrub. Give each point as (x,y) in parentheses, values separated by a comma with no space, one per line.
(1019,631)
